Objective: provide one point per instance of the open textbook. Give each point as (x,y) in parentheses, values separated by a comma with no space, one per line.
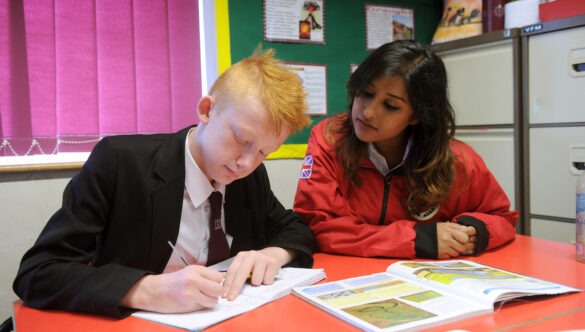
(250,298)
(414,295)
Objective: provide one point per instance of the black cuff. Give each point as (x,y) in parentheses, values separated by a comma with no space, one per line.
(482,236)
(301,259)
(425,242)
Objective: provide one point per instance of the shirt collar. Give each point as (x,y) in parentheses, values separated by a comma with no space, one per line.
(198,186)
(380,162)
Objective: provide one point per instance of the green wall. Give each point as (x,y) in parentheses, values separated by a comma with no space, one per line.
(345,41)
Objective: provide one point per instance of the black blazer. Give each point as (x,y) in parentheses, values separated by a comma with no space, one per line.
(118,214)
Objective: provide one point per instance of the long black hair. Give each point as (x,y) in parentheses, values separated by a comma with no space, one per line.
(429,166)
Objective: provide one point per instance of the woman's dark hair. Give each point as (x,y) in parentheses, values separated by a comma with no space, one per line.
(429,165)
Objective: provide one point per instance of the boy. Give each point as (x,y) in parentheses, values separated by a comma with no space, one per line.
(106,250)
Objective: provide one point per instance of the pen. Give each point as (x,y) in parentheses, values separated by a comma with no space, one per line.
(279,275)
(178,253)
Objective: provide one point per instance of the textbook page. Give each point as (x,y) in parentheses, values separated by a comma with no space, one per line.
(384,302)
(414,295)
(251,297)
(483,283)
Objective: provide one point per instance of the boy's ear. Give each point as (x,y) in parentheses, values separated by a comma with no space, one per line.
(204,106)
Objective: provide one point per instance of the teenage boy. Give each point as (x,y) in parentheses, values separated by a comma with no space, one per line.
(106,250)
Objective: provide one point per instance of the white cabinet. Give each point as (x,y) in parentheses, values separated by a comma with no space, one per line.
(557,88)
(556,128)
(553,230)
(483,79)
(481,83)
(553,152)
(496,147)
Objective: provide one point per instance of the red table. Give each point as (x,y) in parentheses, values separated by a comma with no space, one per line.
(535,257)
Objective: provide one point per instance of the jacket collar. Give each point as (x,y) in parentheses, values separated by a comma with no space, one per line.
(167,198)
(171,155)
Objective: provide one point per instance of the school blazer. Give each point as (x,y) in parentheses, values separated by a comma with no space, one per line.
(119,213)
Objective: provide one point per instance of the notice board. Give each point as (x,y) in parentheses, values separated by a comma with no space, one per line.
(342,44)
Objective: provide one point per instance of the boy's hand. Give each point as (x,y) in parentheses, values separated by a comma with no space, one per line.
(190,289)
(259,266)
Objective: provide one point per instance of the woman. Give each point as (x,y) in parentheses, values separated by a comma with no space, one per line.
(388,179)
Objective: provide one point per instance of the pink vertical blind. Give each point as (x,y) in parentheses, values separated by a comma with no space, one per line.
(74,71)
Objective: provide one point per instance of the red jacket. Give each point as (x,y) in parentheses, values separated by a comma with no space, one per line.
(349,224)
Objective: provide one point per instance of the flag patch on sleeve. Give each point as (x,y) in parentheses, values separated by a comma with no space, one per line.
(307,168)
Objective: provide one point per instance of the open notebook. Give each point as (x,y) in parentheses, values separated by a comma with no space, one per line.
(250,298)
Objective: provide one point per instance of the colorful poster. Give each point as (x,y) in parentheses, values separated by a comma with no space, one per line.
(294,21)
(385,24)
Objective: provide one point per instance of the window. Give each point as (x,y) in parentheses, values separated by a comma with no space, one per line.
(72,72)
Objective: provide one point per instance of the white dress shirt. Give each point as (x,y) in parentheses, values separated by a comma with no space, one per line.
(193,239)
(380,162)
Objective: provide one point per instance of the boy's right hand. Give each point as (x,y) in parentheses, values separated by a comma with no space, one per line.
(190,289)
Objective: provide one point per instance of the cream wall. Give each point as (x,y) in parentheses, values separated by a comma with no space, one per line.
(27,200)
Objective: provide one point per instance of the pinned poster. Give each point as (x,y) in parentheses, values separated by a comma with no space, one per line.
(388,23)
(299,21)
(314,80)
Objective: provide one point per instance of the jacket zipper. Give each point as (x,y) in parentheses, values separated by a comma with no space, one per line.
(387,179)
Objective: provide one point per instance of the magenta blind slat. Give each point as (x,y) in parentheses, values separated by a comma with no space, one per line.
(14,92)
(77,107)
(4,62)
(116,72)
(185,55)
(152,66)
(40,37)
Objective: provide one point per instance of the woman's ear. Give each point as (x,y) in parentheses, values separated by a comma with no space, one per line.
(204,106)
(413,122)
